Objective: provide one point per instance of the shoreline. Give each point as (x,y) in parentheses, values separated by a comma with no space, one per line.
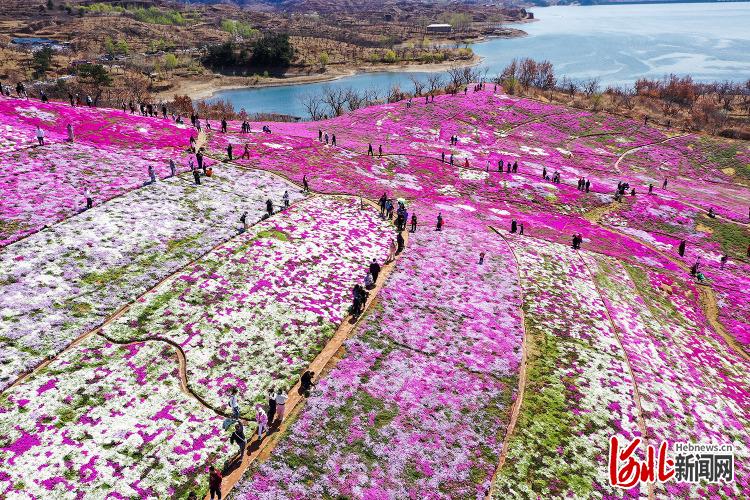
(208,86)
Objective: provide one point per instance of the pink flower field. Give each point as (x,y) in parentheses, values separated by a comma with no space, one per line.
(489,363)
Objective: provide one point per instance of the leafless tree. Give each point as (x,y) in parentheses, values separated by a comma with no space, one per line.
(335,99)
(418,84)
(314,105)
(434,82)
(590,86)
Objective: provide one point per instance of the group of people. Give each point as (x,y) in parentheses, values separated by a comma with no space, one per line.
(577,240)
(555,179)
(324,138)
(584,184)
(370,150)
(516,227)
(511,168)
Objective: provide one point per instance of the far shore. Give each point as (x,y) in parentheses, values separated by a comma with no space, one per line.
(205,87)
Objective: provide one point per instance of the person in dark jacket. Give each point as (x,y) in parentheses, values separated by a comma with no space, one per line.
(271,405)
(374,270)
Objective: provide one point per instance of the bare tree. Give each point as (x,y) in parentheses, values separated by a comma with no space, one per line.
(590,86)
(314,105)
(418,85)
(434,82)
(335,99)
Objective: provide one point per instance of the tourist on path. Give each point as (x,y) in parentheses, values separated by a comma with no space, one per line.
(320,135)
(269,207)
(380,150)
(238,437)
(400,243)
(392,251)
(89,199)
(413,223)
(305,186)
(369,149)
(199,159)
(281,399)
(40,135)
(229,152)
(333,139)
(369,283)
(71,136)
(306,382)
(246,152)
(262,420)
(172,167)
(374,270)
(233,404)
(224,125)
(681,248)
(724,260)
(151,173)
(664,184)
(214,482)
(271,405)
(243,221)
(286,199)
(197,176)
(521,229)
(513,226)
(439,226)
(588,185)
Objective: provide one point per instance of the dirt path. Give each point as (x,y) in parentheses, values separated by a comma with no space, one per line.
(516,409)
(638,148)
(323,363)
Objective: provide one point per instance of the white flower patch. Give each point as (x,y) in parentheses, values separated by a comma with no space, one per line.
(448,208)
(508,153)
(533,151)
(34,112)
(466,207)
(449,190)
(500,211)
(273,145)
(472,175)
(564,152)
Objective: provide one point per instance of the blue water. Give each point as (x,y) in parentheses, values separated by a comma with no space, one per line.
(616,43)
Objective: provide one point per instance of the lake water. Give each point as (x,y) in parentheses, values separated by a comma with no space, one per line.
(617,43)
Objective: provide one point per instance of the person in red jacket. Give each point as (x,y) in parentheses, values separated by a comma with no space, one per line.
(214,482)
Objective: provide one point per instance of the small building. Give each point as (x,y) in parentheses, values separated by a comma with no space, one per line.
(439,29)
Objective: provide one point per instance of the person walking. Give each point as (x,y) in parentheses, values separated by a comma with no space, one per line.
(214,482)
(724,260)
(650,189)
(325,137)
(413,223)
(369,149)
(286,199)
(320,135)
(40,135)
(400,243)
(520,231)
(271,406)
(229,152)
(588,185)
(89,199)
(306,382)
(262,420)
(439,222)
(71,136)
(380,150)
(513,226)
(392,251)
(681,248)
(281,399)
(305,186)
(664,184)
(151,173)
(333,139)
(269,207)
(224,125)
(243,221)
(246,152)
(172,167)
(233,404)
(238,438)
(374,270)
(197,176)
